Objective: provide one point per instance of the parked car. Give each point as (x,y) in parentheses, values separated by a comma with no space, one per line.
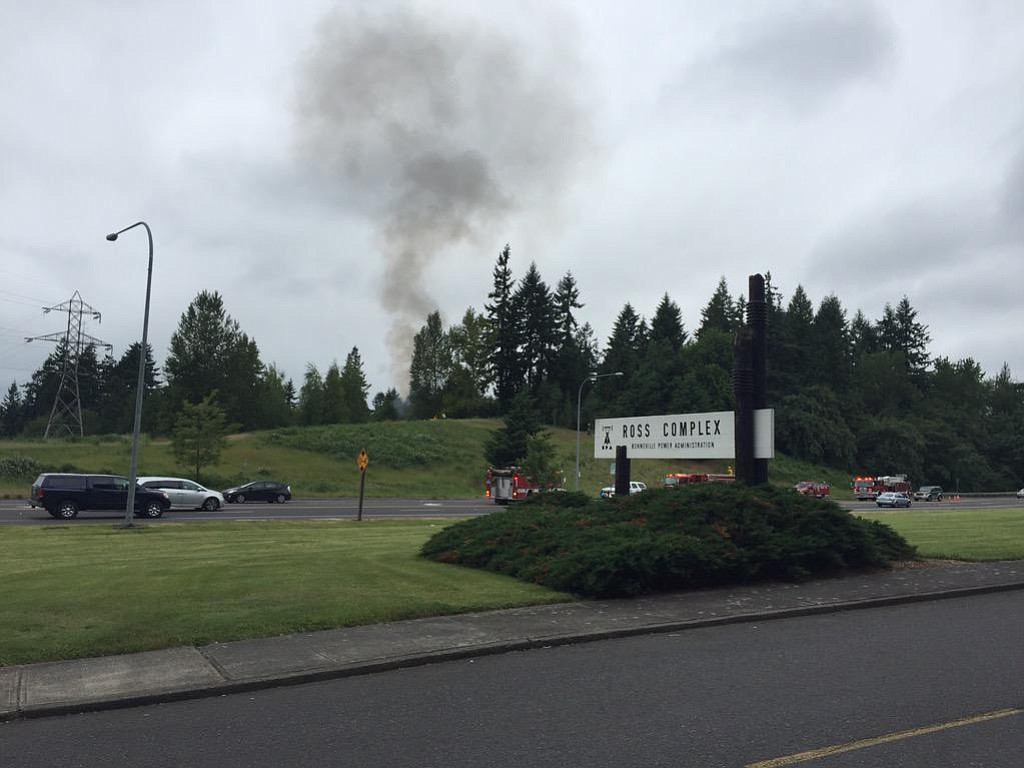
(635,486)
(185,494)
(892,499)
(261,490)
(818,490)
(928,493)
(65,495)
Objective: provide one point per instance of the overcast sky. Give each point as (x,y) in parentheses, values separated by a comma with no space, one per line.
(337,170)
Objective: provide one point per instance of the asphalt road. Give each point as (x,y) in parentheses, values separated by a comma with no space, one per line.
(19,513)
(928,684)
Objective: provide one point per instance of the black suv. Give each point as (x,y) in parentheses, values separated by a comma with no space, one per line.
(63,496)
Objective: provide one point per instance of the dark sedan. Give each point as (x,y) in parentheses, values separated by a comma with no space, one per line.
(261,490)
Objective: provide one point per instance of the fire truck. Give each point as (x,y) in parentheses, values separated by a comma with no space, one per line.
(818,490)
(868,488)
(678,479)
(510,484)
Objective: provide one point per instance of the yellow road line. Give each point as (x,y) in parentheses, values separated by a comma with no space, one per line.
(814,754)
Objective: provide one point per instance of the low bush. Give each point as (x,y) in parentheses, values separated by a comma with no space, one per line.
(19,467)
(668,540)
(386,445)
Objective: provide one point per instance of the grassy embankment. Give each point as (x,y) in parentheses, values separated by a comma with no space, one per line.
(434,459)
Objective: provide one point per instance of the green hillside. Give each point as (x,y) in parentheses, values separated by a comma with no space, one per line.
(436,459)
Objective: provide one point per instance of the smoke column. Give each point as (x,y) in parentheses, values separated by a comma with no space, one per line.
(437,129)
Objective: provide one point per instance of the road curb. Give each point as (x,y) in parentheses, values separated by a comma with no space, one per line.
(487,649)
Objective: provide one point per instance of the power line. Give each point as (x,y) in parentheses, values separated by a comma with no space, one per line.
(22,296)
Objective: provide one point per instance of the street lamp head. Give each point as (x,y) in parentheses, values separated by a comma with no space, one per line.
(112,236)
(618,373)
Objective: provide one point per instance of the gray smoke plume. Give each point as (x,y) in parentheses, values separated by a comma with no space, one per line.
(437,129)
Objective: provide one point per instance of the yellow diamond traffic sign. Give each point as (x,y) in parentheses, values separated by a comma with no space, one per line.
(363,461)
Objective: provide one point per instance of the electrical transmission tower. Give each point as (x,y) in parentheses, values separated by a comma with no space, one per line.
(66,414)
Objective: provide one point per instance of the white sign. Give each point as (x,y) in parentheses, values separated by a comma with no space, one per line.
(682,436)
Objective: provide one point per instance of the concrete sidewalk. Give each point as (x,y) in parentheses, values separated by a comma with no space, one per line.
(178,673)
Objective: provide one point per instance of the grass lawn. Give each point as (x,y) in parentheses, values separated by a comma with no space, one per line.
(76,591)
(969,534)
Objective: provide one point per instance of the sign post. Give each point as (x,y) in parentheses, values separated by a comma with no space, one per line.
(362,462)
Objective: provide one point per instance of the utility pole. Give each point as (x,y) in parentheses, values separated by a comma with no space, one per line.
(66,415)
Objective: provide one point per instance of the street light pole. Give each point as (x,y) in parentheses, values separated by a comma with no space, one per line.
(133,473)
(593,376)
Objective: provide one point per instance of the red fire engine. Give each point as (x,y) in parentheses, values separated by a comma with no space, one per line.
(818,490)
(680,479)
(868,488)
(511,484)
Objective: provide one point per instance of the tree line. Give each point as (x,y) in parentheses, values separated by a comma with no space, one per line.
(849,392)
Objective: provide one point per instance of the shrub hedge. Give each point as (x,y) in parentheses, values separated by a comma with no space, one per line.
(668,540)
(392,448)
(19,467)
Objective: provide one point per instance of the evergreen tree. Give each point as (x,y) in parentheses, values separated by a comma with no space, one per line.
(572,361)
(469,348)
(41,389)
(706,381)
(958,396)
(508,446)
(667,324)
(91,372)
(587,344)
(537,326)
(884,387)
(385,405)
(117,400)
(1004,425)
(899,331)
(274,403)
(830,343)
(540,463)
(461,399)
(354,388)
(430,368)
(740,316)
(311,397)
(12,415)
(793,351)
(567,298)
(505,363)
(720,312)
(335,407)
(210,352)
(863,338)
(624,352)
(779,380)
(625,345)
